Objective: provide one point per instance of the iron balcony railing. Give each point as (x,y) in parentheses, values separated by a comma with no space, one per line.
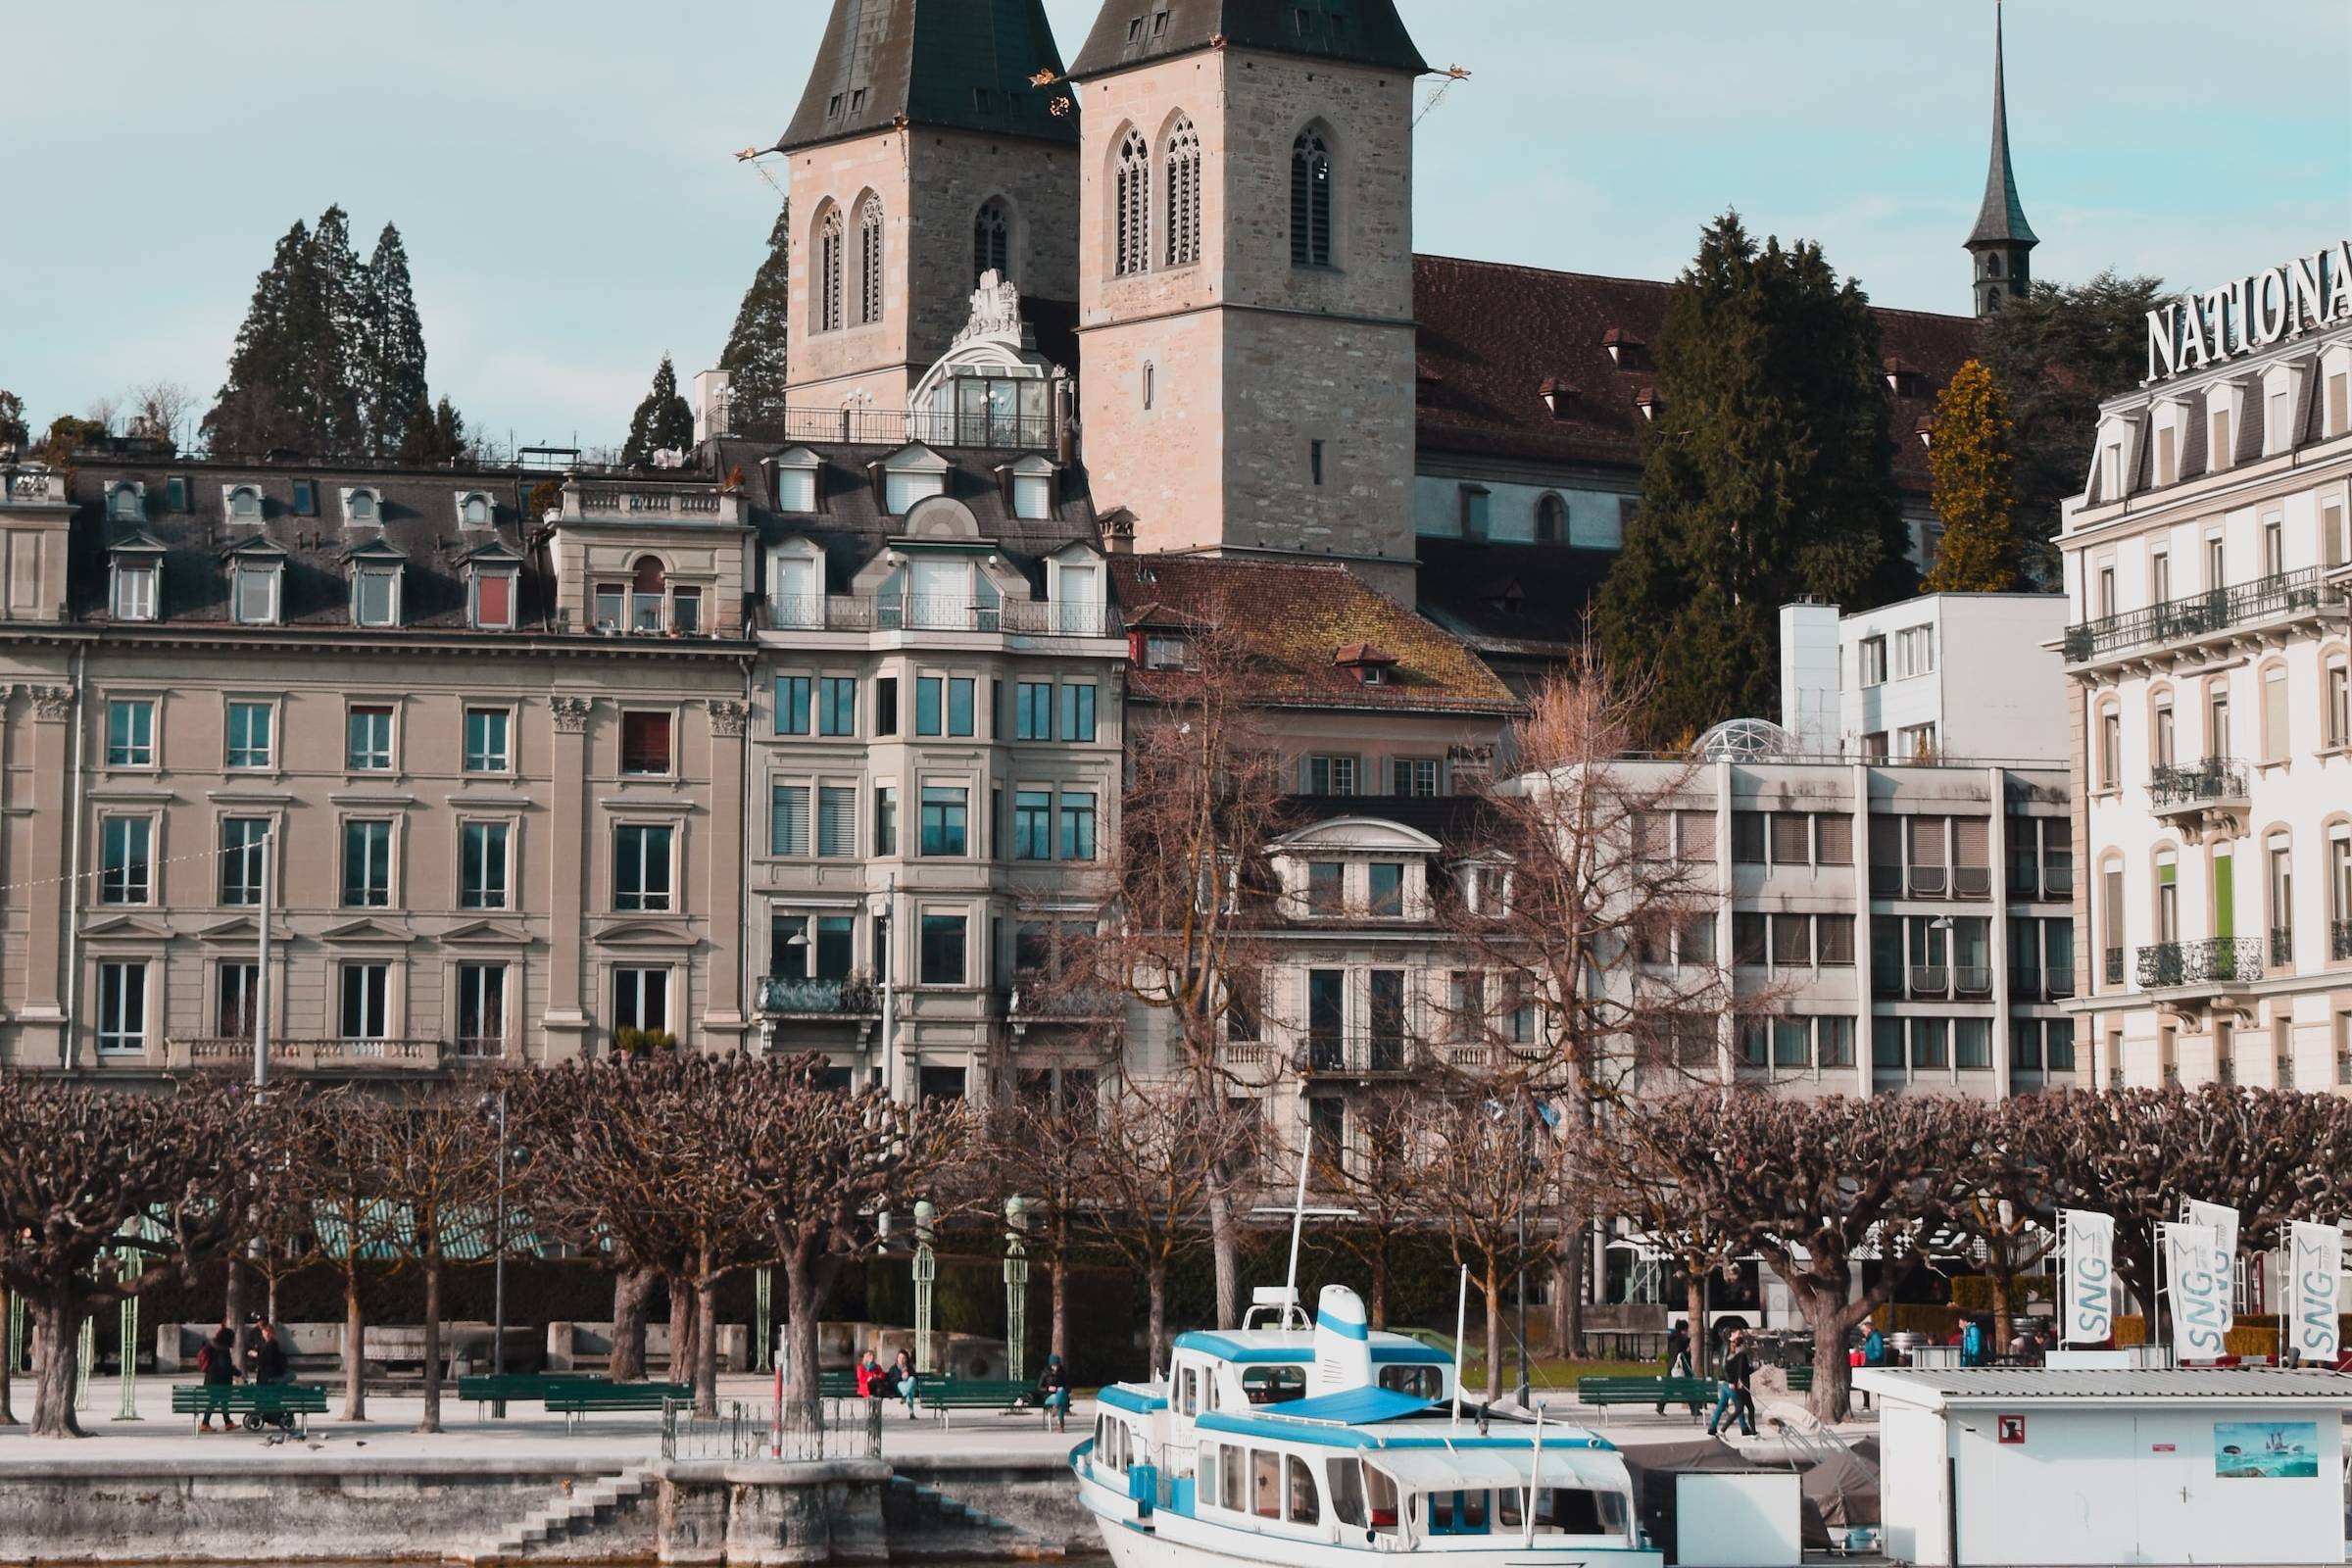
(1929,979)
(2283,947)
(2206,783)
(819,997)
(2339,938)
(1365,1055)
(2113,967)
(1034,998)
(1020,617)
(2215,960)
(1971,979)
(2197,615)
(896,428)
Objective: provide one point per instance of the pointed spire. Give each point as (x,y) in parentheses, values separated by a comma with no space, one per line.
(2001,221)
(959,65)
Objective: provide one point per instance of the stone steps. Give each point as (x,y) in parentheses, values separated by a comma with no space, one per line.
(582,1504)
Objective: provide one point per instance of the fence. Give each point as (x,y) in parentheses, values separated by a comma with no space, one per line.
(746,1432)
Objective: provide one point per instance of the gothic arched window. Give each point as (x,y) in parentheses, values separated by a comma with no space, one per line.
(1310,200)
(1184,194)
(828,270)
(992,240)
(1132,242)
(869,263)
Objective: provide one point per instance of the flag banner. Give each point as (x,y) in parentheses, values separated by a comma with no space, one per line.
(2196,1275)
(2318,1257)
(2223,1223)
(2089,1277)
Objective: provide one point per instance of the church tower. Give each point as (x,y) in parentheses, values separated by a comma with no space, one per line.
(1246,278)
(2002,242)
(923,154)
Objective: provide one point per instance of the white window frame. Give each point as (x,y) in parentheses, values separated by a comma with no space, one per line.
(138,830)
(390,867)
(505,828)
(670,891)
(467,1030)
(391,748)
(348,970)
(229,762)
(362,575)
(350,497)
(273,573)
(228,503)
(122,1014)
(143,573)
(489,508)
(474,596)
(796,473)
(503,756)
(640,972)
(144,751)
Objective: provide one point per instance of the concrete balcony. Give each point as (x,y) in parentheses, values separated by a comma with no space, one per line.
(995,429)
(690,505)
(2214,964)
(793,996)
(2217,615)
(225,1052)
(916,613)
(2210,798)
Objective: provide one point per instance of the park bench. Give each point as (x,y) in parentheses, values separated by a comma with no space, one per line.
(514,1387)
(1603,1391)
(594,1396)
(945,1394)
(250,1400)
(1800,1379)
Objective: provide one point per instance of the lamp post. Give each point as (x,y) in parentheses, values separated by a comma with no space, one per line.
(926,1271)
(1016,1288)
(496,1105)
(260,976)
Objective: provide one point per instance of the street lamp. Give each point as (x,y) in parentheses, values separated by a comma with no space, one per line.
(1016,1287)
(882,907)
(496,1105)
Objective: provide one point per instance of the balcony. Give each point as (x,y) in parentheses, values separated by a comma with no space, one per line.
(1370,1055)
(234,1053)
(1035,999)
(2209,796)
(1971,979)
(2197,618)
(1005,617)
(696,503)
(2214,962)
(1929,980)
(995,429)
(2051,984)
(798,998)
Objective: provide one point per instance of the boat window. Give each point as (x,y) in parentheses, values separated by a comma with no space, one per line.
(1506,1507)
(1440,1513)
(1191,1380)
(1204,1477)
(1102,1440)
(1380,1499)
(1580,1512)
(1306,1509)
(1470,1512)
(1231,1493)
(1421,1382)
(1347,1494)
(1273,1384)
(1265,1484)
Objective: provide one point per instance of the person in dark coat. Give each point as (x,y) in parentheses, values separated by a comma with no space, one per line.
(1736,1398)
(1678,1359)
(216,1365)
(902,1380)
(270,1365)
(1054,1392)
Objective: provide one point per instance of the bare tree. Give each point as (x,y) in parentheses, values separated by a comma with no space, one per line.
(84,1173)
(436,1158)
(335,1149)
(158,410)
(1648,1193)
(1048,1149)
(1485,1173)
(1159,1142)
(1377,1178)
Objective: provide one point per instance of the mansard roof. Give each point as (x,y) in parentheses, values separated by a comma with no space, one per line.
(1137,32)
(961,65)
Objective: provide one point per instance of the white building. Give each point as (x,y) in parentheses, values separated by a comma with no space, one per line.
(2206,564)
(1943,675)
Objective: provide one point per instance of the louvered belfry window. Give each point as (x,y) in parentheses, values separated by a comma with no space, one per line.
(869,264)
(828,273)
(1184,194)
(1134,237)
(1310,201)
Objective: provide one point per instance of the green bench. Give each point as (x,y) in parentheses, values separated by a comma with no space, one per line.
(1603,1391)
(252,1401)
(595,1396)
(517,1388)
(1800,1379)
(944,1394)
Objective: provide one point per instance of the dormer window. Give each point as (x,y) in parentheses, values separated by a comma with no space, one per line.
(911,474)
(1904,380)
(1370,666)
(305,498)
(494,598)
(138,573)
(1168,651)
(796,480)
(1645,402)
(255,591)
(1623,349)
(242,503)
(375,577)
(1559,398)
(123,503)
(176,494)
(474,509)
(1031,485)
(363,506)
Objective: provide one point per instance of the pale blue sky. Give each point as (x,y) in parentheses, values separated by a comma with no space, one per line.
(563,172)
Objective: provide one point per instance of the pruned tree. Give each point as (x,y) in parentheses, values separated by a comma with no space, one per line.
(335,1152)
(436,1155)
(80,1168)
(1160,1144)
(1047,1148)
(1376,1177)
(1647,1193)
(1485,1175)
(1810,1184)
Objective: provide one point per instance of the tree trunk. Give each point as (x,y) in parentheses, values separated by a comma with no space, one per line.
(805,1283)
(2003,1286)
(1492,1286)
(684,1338)
(1157,1281)
(355,1348)
(8,1369)
(1058,1341)
(233,1307)
(1225,1247)
(630,1288)
(432,1342)
(1833,1395)
(706,1345)
(1379,1308)
(55,1361)
(1570,1260)
(1700,1344)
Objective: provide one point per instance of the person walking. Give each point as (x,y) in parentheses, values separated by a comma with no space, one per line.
(217,1366)
(270,1365)
(1736,1399)
(1678,1362)
(1054,1392)
(902,1380)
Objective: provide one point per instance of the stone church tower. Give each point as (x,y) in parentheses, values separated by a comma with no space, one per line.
(923,154)
(2002,242)
(1246,277)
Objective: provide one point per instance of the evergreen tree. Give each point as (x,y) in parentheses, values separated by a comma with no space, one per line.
(250,413)
(755,351)
(13,432)
(1767,477)
(391,363)
(663,420)
(432,432)
(291,379)
(1973,470)
(2056,354)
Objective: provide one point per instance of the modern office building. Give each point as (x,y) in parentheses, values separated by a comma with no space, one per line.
(2207,565)
(1970,676)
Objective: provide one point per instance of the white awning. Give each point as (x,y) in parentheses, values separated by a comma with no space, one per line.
(1427,1470)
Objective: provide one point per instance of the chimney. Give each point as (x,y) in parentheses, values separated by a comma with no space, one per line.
(1809,707)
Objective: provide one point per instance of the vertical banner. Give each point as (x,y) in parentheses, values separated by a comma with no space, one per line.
(2318,1257)
(2089,1267)
(2222,1220)
(2196,1275)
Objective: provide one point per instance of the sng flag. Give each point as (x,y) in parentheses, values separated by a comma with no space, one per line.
(2089,1277)
(2318,1255)
(2223,1222)
(2196,1274)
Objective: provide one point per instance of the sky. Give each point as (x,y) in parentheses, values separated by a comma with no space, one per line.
(564,175)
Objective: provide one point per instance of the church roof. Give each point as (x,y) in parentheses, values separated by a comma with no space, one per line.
(1137,32)
(2001,221)
(962,64)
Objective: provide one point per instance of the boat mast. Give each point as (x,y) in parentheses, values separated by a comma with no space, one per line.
(1289,1282)
(1461,1321)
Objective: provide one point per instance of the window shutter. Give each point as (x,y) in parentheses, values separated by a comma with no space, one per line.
(1791,839)
(1698,835)
(2274,715)
(790,828)
(833,825)
(1975,843)
(1833,838)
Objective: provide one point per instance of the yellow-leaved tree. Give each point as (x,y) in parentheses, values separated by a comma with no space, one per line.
(1973,465)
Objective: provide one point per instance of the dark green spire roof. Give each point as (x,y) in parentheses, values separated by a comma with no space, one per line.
(1137,32)
(2001,221)
(965,65)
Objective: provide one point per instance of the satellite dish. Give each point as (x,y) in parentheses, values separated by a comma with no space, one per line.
(1744,740)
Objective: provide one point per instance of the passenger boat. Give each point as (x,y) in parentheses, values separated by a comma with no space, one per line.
(1281,1443)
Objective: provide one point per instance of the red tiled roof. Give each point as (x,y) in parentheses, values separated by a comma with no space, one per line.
(1292,616)
(1491,334)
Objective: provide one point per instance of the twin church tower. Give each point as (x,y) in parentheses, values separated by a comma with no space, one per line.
(1217,194)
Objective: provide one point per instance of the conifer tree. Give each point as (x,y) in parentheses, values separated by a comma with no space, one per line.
(1972,469)
(662,421)
(755,351)
(13,432)
(432,432)
(391,361)
(1768,476)
(291,376)
(250,413)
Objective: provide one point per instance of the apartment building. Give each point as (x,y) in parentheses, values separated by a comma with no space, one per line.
(1939,675)
(2206,565)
